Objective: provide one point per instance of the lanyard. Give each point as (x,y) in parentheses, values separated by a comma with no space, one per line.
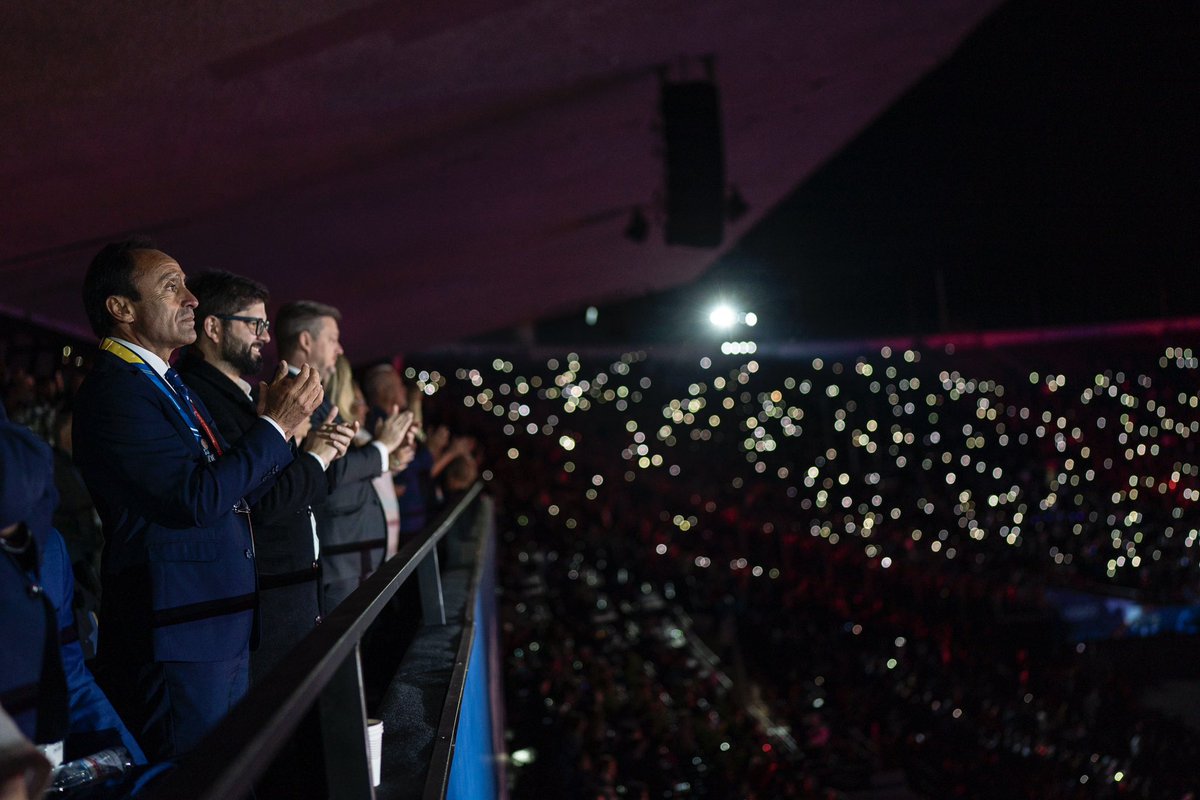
(191,420)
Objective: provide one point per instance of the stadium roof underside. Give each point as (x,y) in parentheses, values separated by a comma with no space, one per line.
(434,169)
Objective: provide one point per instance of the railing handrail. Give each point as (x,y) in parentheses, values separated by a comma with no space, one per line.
(238,751)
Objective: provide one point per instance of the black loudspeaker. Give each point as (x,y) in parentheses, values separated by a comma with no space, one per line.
(695,164)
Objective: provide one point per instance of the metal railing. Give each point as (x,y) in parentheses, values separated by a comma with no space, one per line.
(324,668)
(437,779)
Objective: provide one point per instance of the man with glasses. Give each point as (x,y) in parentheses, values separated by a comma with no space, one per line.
(231,330)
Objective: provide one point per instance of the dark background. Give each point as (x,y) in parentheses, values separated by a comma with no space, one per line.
(1047,174)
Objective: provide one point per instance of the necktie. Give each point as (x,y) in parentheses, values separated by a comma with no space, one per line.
(185,394)
(179,386)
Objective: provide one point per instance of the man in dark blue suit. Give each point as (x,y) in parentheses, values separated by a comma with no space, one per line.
(178,567)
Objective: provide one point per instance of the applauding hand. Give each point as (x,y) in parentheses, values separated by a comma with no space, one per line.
(290,400)
(330,440)
(390,432)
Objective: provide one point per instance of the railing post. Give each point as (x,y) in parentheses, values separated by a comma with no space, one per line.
(344,733)
(429,576)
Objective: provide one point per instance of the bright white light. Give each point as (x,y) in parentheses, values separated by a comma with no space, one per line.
(738,348)
(566,443)
(524,757)
(751,319)
(723,316)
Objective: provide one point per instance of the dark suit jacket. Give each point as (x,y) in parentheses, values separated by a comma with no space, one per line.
(178,569)
(289,576)
(32,686)
(350,523)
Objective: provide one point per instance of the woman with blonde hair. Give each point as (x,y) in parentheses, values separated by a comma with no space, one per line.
(340,390)
(347,395)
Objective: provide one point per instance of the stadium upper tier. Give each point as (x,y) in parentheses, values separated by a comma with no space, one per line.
(1073,468)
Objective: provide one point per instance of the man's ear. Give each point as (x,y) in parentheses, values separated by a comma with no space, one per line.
(305,341)
(211,326)
(120,308)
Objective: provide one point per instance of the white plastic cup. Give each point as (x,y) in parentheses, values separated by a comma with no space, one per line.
(375,749)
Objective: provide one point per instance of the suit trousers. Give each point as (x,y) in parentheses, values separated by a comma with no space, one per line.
(184,700)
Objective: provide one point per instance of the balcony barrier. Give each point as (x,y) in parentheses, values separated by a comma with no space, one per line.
(454,649)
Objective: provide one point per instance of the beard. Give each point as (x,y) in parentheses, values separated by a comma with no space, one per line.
(242,357)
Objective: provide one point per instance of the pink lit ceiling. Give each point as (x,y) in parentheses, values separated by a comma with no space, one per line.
(436,169)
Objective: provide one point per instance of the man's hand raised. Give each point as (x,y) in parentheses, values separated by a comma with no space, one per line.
(289,400)
(402,456)
(331,440)
(390,432)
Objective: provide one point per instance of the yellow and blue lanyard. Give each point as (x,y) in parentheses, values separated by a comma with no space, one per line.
(193,420)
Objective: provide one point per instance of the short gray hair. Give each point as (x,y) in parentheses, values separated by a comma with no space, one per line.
(299,316)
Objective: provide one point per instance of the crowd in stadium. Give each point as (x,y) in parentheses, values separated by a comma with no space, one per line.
(892,616)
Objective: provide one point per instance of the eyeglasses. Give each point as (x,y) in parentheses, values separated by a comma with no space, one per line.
(259,324)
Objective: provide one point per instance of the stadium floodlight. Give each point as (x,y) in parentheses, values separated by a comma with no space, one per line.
(751,318)
(723,316)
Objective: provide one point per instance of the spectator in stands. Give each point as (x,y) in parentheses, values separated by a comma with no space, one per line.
(460,475)
(77,521)
(21,400)
(178,570)
(384,389)
(231,331)
(917,642)
(44,683)
(343,387)
(350,523)
(32,683)
(414,486)
(446,450)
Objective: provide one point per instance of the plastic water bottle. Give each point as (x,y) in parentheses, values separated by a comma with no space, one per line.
(96,767)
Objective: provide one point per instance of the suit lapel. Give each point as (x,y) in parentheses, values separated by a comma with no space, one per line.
(144,385)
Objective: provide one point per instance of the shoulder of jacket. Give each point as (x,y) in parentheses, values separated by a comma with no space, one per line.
(113,375)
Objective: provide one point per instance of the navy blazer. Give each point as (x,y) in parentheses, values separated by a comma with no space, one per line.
(178,570)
